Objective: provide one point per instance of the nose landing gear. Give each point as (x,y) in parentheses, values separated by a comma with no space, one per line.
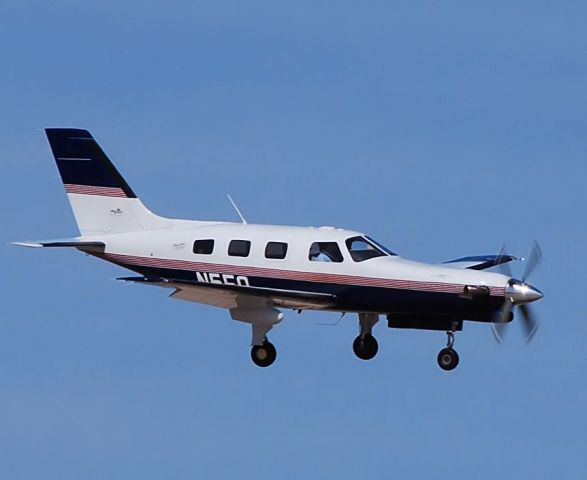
(448,358)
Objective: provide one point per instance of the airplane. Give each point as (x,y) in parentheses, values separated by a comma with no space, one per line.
(255,271)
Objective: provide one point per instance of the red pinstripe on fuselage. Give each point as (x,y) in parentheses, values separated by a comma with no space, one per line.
(171,264)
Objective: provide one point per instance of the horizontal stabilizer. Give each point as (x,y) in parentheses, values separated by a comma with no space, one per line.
(63,242)
(480,262)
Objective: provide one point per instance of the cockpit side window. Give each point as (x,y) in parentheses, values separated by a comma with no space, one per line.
(361,249)
(325,252)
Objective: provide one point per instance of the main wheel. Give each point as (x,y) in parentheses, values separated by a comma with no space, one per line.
(365,348)
(263,355)
(448,359)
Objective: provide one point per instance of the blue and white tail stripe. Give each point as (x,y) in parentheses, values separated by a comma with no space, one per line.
(84,167)
(101,200)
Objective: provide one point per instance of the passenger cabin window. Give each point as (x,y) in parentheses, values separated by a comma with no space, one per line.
(361,249)
(325,252)
(239,248)
(204,247)
(276,250)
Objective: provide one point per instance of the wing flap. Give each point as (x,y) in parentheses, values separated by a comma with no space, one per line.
(212,297)
(225,296)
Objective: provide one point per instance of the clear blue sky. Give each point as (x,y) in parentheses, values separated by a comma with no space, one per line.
(440,128)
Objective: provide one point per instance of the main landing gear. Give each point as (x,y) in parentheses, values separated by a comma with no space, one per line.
(365,348)
(365,345)
(448,358)
(263,355)
(263,352)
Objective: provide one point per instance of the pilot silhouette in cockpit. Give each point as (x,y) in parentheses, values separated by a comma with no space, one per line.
(318,255)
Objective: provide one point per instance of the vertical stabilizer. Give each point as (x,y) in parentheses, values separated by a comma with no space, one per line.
(101,199)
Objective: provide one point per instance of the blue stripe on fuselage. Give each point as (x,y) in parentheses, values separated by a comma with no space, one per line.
(353,297)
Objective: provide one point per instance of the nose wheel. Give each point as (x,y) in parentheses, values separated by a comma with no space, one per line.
(263,355)
(448,358)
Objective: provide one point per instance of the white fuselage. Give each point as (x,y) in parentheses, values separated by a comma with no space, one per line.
(168,253)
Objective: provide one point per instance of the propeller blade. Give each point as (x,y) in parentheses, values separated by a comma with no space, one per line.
(499,327)
(498,330)
(503,268)
(529,323)
(534,260)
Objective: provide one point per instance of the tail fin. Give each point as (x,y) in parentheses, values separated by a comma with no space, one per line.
(101,200)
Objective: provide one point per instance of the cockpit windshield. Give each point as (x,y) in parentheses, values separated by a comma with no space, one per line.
(364,248)
(385,249)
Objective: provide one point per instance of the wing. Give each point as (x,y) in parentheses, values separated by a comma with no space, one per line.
(480,262)
(229,297)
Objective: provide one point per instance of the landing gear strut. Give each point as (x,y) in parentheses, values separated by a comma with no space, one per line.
(365,345)
(448,358)
(263,355)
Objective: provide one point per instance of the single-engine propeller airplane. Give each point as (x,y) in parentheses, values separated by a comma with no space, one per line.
(254,270)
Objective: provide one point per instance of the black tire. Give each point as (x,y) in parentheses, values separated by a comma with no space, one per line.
(448,359)
(365,348)
(263,355)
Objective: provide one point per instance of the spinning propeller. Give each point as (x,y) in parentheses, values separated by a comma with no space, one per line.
(519,294)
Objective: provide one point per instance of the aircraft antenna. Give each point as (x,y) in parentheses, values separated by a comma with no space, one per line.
(332,324)
(236,209)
